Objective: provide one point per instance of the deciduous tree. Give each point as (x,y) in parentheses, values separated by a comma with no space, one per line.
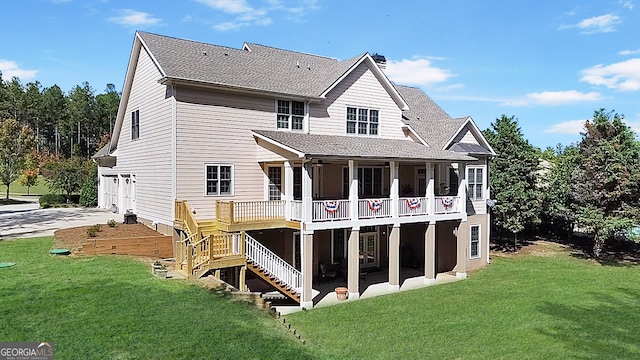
(15,144)
(605,184)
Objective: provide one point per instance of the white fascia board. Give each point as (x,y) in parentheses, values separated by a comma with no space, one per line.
(379,74)
(411,130)
(476,132)
(282,146)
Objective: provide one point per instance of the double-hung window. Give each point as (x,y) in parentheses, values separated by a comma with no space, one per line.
(475,177)
(362,121)
(275,183)
(290,115)
(219,179)
(474,241)
(135,125)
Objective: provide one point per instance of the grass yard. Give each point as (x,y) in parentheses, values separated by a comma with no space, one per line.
(17,189)
(538,306)
(109,307)
(534,307)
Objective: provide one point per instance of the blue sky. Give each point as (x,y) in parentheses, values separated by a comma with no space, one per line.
(548,63)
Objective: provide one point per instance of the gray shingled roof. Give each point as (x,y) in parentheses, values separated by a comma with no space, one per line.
(428,119)
(262,68)
(359,147)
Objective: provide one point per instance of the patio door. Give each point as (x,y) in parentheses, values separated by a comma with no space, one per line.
(369,254)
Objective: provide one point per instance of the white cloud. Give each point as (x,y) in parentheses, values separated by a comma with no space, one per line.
(622,76)
(245,15)
(596,24)
(416,72)
(10,69)
(130,17)
(627,4)
(451,87)
(629,52)
(228,6)
(553,98)
(573,127)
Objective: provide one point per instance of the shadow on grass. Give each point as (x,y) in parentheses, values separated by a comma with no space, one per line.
(608,329)
(5,201)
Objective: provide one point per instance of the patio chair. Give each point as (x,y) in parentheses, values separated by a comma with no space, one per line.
(326,274)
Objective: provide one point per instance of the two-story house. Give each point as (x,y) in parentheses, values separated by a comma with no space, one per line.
(286,164)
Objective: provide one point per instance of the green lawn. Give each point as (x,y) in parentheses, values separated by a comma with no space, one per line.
(17,189)
(110,307)
(535,307)
(531,308)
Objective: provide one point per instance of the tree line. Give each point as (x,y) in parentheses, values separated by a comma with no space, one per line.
(75,123)
(590,186)
(44,131)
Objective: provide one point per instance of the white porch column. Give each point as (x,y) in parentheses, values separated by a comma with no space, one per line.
(394,258)
(306,252)
(307,193)
(353,188)
(430,193)
(288,189)
(394,192)
(353,264)
(462,244)
(430,254)
(462,189)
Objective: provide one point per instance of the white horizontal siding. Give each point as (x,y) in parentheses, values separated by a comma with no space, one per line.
(149,157)
(359,89)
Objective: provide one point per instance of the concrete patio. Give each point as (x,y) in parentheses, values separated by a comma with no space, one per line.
(371,285)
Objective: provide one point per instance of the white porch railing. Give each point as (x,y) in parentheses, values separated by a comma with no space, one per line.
(328,210)
(271,262)
(374,208)
(446,204)
(413,206)
(296,210)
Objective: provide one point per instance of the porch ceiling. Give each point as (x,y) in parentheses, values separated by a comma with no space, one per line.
(330,146)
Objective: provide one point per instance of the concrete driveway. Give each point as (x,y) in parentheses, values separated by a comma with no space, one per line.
(28,220)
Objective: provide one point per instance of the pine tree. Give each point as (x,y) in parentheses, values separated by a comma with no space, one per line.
(513,177)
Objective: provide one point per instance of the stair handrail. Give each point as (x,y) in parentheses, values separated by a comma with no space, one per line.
(272,263)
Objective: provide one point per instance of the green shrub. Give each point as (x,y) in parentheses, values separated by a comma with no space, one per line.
(93,230)
(89,192)
(111,223)
(50,200)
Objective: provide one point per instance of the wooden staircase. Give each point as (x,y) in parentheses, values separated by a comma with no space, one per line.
(204,247)
(273,280)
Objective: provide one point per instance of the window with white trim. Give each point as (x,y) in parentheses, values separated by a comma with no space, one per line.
(135,125)
(475,182)
(290,115)
(219,179)
(275,183)
(474,241)
(362,121)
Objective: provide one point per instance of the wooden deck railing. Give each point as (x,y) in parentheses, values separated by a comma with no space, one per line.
(230,212)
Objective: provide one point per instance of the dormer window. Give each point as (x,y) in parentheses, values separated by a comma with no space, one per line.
(362,121)
(290,115)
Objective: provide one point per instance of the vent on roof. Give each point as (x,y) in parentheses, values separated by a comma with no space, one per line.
(380,60)
(204,52)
